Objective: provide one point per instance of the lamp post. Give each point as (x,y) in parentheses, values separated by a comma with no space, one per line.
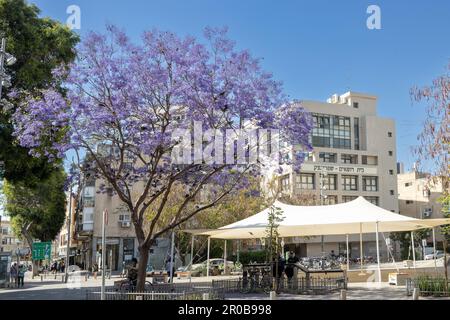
(69,222)
(322,198)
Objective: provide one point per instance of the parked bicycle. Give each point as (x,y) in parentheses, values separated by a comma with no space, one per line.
(254,279)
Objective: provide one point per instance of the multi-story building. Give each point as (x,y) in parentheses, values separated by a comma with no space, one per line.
(9,242)
(418,198)
(354,154)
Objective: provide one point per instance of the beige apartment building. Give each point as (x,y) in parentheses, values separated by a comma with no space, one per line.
(354,154)
(8,240)
(418,198)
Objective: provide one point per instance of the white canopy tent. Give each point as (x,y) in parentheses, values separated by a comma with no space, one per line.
(355,217)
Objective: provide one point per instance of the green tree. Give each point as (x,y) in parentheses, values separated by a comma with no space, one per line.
(39,212)
(40,45)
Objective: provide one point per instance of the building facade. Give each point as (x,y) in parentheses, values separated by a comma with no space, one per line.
(418,198)
(9,242)
(354,154)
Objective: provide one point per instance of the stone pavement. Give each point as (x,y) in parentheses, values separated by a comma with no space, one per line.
(51,289)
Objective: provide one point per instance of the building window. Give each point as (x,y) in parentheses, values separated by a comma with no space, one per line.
(390,153)
(409,202)
(349,158)
(350,183)
(285,183)
(373,200)
(370,183)
(356,133)
(392,192)
(355,105)
(391,172)
(390,134)
(369,160)
(330,182)
(305,181)
(330,200)
(124,217)
(426,193)
(331,131)
(408,184)
(348,198)
(327,157)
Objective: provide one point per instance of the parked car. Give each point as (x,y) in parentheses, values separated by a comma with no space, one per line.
(439,254)
(199,268)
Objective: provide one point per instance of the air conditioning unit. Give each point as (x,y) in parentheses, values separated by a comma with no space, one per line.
(125,224)
(427,212)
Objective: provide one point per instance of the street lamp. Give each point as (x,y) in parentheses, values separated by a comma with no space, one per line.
(323,196)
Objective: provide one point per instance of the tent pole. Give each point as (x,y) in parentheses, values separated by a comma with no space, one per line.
(413,250)
(225,257)
(348,253)
(378,252)
(192,257)
(434,251)
(361,257)
(207,257)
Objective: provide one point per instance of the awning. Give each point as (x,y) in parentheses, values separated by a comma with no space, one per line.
(351,217)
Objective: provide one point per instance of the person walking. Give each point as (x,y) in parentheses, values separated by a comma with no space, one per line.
(133,272)
(95,270)
(13,273)
(21,275)
(63,266)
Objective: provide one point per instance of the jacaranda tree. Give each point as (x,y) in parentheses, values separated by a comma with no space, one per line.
(124,103)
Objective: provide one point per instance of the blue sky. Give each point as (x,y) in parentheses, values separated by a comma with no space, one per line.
(316,48)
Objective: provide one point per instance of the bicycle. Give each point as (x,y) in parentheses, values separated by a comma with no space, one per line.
(252,282)
(130,286)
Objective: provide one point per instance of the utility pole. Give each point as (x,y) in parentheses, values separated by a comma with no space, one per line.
(5,80)
(105,222)
(322,198)
(69,222)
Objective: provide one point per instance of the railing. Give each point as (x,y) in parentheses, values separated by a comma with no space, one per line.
(436,287)
(302,285)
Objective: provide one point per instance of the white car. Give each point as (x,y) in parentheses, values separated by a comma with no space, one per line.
(439,254)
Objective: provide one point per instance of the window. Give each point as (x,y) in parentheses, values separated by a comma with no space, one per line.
(355,105)
(392,192)
(426,193)
(390,134)
(369,160)
(330,200)
(329,182)
(356,132)
(370,183)
(350,183)
(327,157)
(409,202)
(285,183)
(390,153)
(305,181)
(124,217)
(408,184)
(349,158)
(373,200)
(331,131)
(391,172)
(348,198)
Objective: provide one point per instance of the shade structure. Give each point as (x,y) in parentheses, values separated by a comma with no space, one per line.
(351,217)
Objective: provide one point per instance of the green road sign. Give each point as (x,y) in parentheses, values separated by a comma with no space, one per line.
(41,250)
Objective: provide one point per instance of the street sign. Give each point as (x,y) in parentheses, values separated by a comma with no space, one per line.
(41,250)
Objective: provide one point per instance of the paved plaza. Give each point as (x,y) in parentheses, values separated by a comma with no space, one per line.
(51,289)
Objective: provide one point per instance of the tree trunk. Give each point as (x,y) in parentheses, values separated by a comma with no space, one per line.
(29,239)
(142,267)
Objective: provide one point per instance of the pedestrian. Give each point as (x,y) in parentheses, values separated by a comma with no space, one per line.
(21,275)
(95,270)
(63,266)
(291,266)
(133,272)
(13,273)
(168,269)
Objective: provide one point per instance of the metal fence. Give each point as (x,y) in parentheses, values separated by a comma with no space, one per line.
(428,287)
(302,285)
(181,291)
